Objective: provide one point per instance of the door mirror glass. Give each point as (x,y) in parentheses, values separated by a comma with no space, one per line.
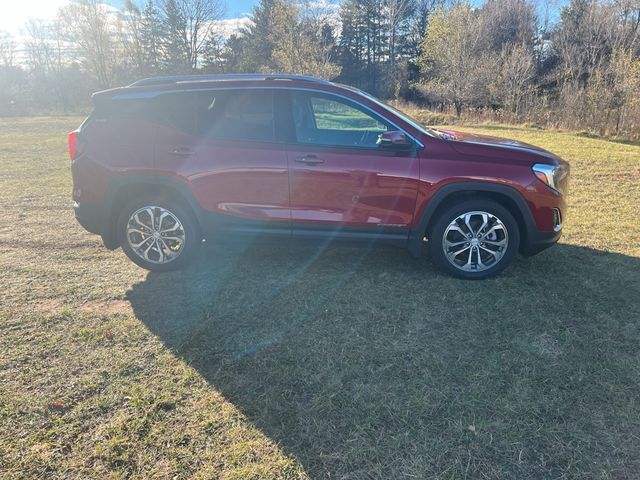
(394,139)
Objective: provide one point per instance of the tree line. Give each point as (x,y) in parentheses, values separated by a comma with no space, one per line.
(506,60)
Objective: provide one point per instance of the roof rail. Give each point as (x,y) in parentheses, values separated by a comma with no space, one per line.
(172,79)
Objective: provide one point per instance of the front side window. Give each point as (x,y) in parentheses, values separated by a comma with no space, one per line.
(235,115)
(327,120)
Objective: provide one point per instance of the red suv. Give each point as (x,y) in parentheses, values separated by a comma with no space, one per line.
(168,161)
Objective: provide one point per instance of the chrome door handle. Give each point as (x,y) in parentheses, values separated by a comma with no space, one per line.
(309,160)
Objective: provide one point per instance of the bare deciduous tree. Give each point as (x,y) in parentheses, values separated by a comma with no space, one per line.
(90,26)
(514,76)
(7,49)
(596,44)
(508,22)
(192,24)
(450,60)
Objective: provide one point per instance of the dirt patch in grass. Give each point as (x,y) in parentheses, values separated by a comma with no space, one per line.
(111,307)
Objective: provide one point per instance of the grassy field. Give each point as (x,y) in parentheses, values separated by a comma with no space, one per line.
(338,362)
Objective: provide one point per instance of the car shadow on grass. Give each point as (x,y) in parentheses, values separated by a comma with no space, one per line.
(366,363)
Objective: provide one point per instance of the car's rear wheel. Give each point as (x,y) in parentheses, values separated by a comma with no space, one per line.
(158,235)
(474,239)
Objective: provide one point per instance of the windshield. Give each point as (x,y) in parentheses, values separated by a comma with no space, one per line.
(414,123)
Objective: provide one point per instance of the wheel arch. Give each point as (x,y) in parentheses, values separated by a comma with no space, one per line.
(125,190)
(505,195)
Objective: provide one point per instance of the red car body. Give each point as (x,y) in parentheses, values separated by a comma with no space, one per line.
(286,188)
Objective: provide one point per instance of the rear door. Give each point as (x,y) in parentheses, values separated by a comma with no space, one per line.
(229,154)
(339,178)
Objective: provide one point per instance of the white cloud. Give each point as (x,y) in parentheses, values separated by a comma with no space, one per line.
(229,26)
(16,13)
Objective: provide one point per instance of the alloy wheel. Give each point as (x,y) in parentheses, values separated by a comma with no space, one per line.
(155,234)
(475,241)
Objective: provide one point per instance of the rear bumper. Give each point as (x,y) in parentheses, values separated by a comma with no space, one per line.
(94,218)
(90,216)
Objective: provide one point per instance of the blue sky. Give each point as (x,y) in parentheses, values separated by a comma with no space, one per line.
(234,8)
(238,8)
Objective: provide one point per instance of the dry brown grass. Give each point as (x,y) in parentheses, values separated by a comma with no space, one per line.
(285,361)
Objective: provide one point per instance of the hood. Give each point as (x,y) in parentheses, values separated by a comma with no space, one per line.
(464,142)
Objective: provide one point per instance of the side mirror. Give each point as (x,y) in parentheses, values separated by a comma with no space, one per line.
(394,140)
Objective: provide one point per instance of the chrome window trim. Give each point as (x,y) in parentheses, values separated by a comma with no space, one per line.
(134,95)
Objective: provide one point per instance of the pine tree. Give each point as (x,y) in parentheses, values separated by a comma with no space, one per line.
(363,43)
(259,39)
(285,37)
(233,53)
(174,44)
(212,55)
(151,38)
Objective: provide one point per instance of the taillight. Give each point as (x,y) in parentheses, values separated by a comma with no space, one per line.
(76,144)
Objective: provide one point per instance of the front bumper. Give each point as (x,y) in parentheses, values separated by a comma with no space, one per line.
(538,241)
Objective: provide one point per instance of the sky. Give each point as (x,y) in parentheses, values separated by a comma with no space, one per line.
(239,8)
(13,14)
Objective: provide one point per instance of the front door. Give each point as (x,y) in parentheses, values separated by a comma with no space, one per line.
(340,179)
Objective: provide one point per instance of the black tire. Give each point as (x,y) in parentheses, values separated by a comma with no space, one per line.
(190,228)
(445,218)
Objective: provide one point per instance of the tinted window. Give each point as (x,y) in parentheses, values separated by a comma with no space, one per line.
(174,110)
(235,115)
(327,120)
(126,109)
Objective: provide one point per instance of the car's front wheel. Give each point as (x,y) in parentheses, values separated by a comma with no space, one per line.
(158,235)
(474,239)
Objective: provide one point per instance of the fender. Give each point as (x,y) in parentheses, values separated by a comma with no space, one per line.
(414,243)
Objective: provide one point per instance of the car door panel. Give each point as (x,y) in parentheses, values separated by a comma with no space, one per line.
(250,182)
(352,187)
(352,184)
(243,180)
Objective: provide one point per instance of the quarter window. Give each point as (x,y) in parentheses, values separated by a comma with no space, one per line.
(326,120)
(123,109)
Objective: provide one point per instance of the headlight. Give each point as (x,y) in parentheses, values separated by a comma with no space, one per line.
(552,175)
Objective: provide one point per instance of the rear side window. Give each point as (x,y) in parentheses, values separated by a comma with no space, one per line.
(235,115)
(174,110)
